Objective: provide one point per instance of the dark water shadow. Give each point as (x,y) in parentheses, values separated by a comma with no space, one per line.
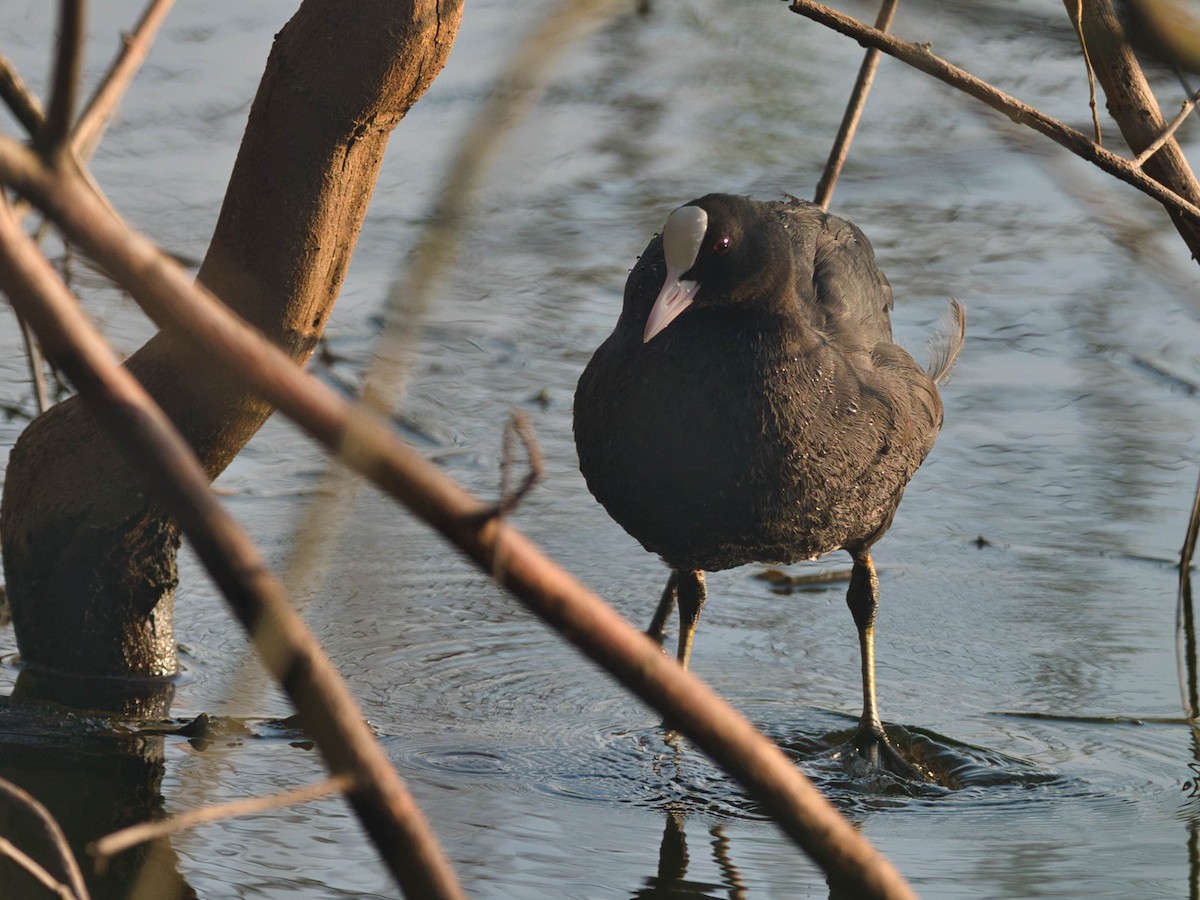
(95,777)
(955,768)
(97,773)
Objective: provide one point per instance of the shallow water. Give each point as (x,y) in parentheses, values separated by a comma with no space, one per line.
(1036,666)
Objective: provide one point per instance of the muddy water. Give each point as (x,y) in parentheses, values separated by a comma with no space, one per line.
(1035,666)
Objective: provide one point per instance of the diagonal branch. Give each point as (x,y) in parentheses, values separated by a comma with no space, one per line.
(1132,103)
(368,446)
(20,100)
(103,103)
(854,111)
(11,851)
(289,650)
(1169,132)
(120,841)
(920,57)
(74,887)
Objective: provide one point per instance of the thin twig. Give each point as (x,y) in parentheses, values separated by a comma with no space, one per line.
(288,649)
(1132,103)
(510,498)
(31,865)
(119,841)
(1193,529)
(1077,21)
(51,831)
(176,302)
(1168,132)
(64,87)
(854,110)
(20,100)
(134,48)
(86,134)
(919,57)
(37,373)
(1185,646)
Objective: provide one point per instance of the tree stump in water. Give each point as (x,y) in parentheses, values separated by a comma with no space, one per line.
(89,558)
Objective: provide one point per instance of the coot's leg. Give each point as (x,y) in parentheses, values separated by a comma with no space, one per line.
(665,606)
(869,740)
(692,593)
(863,600)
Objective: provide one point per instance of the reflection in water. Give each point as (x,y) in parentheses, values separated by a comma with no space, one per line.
(1185,636)
(133,698)
(671,880)
(1185,645)
(93,782)
(1193,860)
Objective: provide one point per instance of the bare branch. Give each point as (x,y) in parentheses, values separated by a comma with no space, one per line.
(31,865)
(919,57)
(1133,105)
(367,445)
(854,109)
(37,375)
(1076,14)
(120,841)
(86,134)
(510,498)
(100,108)
(288,649)
(65,85)
(1168,132)
(53,834)
(1189,538)
(20,100)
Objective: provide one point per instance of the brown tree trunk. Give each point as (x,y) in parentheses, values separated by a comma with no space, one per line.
(89,560)
(1133,106)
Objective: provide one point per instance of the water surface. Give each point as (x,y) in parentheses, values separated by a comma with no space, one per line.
(1043,656)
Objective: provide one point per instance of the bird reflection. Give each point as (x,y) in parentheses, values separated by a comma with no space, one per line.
(671,879)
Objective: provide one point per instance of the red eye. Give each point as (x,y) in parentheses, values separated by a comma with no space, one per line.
(719,247)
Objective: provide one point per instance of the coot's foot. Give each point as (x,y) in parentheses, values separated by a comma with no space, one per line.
(869,752)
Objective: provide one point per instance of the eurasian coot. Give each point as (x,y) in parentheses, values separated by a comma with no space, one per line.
(750,406)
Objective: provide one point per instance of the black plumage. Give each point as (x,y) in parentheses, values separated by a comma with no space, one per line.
(750,405)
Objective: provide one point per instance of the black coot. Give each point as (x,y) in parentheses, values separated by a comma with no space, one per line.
(750,406)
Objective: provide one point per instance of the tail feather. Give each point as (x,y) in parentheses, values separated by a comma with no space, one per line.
(946,342)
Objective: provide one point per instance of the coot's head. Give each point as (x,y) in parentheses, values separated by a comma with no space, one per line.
(721,250)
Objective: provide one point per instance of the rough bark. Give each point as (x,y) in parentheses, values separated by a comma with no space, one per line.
(1132,104)
(89,559)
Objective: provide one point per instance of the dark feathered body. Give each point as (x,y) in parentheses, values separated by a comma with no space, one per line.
(770,430)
